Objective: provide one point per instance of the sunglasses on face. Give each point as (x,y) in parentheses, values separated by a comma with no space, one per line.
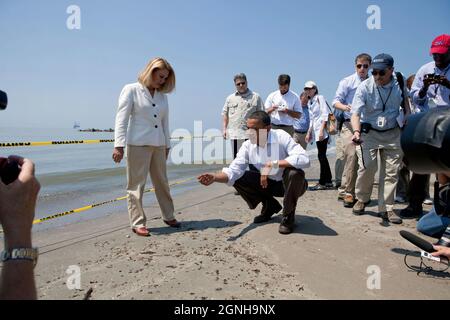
(382,73)
(365,66)
(240,84)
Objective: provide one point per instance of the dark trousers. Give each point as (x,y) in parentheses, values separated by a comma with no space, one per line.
(291,188)
(236,145)
(418,189)
(325,172)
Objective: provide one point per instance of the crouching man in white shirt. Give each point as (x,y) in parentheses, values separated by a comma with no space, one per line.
(267,165)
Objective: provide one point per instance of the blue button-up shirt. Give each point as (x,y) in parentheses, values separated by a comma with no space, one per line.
(346,91)
(368,104)
(302,124)
(436,92)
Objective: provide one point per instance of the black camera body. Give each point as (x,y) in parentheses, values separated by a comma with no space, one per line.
(433,78)
(3,100)
(425,141)
(9,170)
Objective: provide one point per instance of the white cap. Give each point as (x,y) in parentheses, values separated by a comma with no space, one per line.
(310,84)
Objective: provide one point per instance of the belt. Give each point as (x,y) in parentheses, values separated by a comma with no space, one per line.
(282,125)
(302,132)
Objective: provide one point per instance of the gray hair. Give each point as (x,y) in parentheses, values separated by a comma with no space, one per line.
(241,76)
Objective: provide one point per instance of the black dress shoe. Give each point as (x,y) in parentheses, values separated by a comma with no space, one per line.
(411,212)
(262,218)
(287,224)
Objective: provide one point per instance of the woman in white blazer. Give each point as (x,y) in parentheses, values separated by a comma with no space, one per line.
(142,125)
(318,114)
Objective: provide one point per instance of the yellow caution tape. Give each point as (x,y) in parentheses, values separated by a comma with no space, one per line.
(62,214)
(65,142)
(50,143)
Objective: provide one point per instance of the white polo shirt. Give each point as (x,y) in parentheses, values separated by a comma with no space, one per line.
(290,101)
(279,146)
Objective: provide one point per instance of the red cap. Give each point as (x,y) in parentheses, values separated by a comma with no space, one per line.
(440,44)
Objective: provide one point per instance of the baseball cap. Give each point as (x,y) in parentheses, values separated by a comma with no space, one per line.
(310,84)
(382,61)
(440,44)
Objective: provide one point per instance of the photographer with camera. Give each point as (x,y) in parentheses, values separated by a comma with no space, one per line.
(430,89)
(18,193)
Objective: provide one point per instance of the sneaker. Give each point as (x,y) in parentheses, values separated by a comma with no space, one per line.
(428,201)
(318,187)
(400,199)
(287,224)
(411,212)
(359,208)
(391,217)
(341,196)
(329,185)
(349,201)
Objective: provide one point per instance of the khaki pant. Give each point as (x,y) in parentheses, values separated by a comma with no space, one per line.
(288,129)
(388,145)
(300,139)
(141,161)
(350,171)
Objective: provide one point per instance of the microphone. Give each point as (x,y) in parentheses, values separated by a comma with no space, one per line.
(3,100)
(418,242)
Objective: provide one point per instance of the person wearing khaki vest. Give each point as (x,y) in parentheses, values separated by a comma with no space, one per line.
(376,120)
(142,124)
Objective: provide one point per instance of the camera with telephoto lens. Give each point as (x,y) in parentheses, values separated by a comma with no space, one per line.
(433,78)
(9,169)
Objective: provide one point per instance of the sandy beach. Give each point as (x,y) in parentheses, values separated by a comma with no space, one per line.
(220,254)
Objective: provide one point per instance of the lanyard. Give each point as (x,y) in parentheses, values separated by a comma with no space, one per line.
(389,95)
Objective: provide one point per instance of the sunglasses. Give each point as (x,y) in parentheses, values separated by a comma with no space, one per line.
(240,84)
(382,73)
(359,66)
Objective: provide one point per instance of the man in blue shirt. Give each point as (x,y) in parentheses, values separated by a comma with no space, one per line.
(376,122)
(301,125)
(346,160)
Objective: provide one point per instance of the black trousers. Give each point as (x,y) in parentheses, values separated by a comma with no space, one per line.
(325,172)
(417,189)
(291,188)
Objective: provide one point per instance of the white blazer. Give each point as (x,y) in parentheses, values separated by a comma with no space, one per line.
(318,113)
(142,120)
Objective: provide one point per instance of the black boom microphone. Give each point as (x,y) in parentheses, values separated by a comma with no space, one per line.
(418,242)
(3,100)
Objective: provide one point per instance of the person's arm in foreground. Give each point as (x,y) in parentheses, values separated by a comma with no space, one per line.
(17,207)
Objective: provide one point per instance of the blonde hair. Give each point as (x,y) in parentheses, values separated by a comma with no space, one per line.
(145,77)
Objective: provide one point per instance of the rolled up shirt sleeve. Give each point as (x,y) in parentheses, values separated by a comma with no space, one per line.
(238,166)
(341,93)
(324,111)
(123,116)
(225,108)
(359,101)
(415,89)
(297,156)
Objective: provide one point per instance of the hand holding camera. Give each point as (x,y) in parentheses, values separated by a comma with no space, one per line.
(430,79)
(9,169)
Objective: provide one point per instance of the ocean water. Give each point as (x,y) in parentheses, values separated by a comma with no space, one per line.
(77,175)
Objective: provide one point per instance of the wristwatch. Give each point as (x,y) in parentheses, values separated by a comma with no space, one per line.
(30,254)
(275,164)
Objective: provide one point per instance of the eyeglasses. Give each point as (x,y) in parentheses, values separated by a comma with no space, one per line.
(382,73)
(365,66)
(240,84)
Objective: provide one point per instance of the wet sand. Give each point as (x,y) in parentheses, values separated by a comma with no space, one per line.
(220,254)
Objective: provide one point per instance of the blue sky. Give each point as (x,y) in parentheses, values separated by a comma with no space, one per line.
(55,76)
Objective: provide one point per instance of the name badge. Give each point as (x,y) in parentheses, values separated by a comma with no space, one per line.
(432,103)
(381,122)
